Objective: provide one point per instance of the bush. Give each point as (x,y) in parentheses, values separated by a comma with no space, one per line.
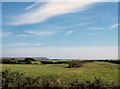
(75,64)
(29,61)
(10,61)
(17,80)
(115,61)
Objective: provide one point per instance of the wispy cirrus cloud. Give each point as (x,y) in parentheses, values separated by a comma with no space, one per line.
(39,33)
(32,6)
(111,27)
(22,35)
(96,28)
(24,44)
(48,10)
(68,33)
(114,26)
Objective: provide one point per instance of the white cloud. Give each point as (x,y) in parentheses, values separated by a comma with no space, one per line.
(96,28)
(68,33)
(68,52)
(114,26)
(31,6)
(23,44)
(40,33)
(22,35)
(48,10)
(111,27)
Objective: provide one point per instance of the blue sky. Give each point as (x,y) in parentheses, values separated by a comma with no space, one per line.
(60,30)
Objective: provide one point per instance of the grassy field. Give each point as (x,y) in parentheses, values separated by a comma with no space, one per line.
(89,71)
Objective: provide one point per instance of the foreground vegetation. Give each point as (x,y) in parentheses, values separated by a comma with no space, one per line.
(12,80)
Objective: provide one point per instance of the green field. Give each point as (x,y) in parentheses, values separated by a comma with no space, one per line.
(89,71)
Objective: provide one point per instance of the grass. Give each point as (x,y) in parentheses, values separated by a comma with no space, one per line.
(89,71)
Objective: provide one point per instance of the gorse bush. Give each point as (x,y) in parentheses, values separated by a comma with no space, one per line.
(75,64)
(17,80)
(10,61)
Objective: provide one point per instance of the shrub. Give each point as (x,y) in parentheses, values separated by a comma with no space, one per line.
(115,61)
(17,80)
(75,64)
(10,61)
(28,61)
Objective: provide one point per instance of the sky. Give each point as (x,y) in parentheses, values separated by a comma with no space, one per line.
(82,30)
